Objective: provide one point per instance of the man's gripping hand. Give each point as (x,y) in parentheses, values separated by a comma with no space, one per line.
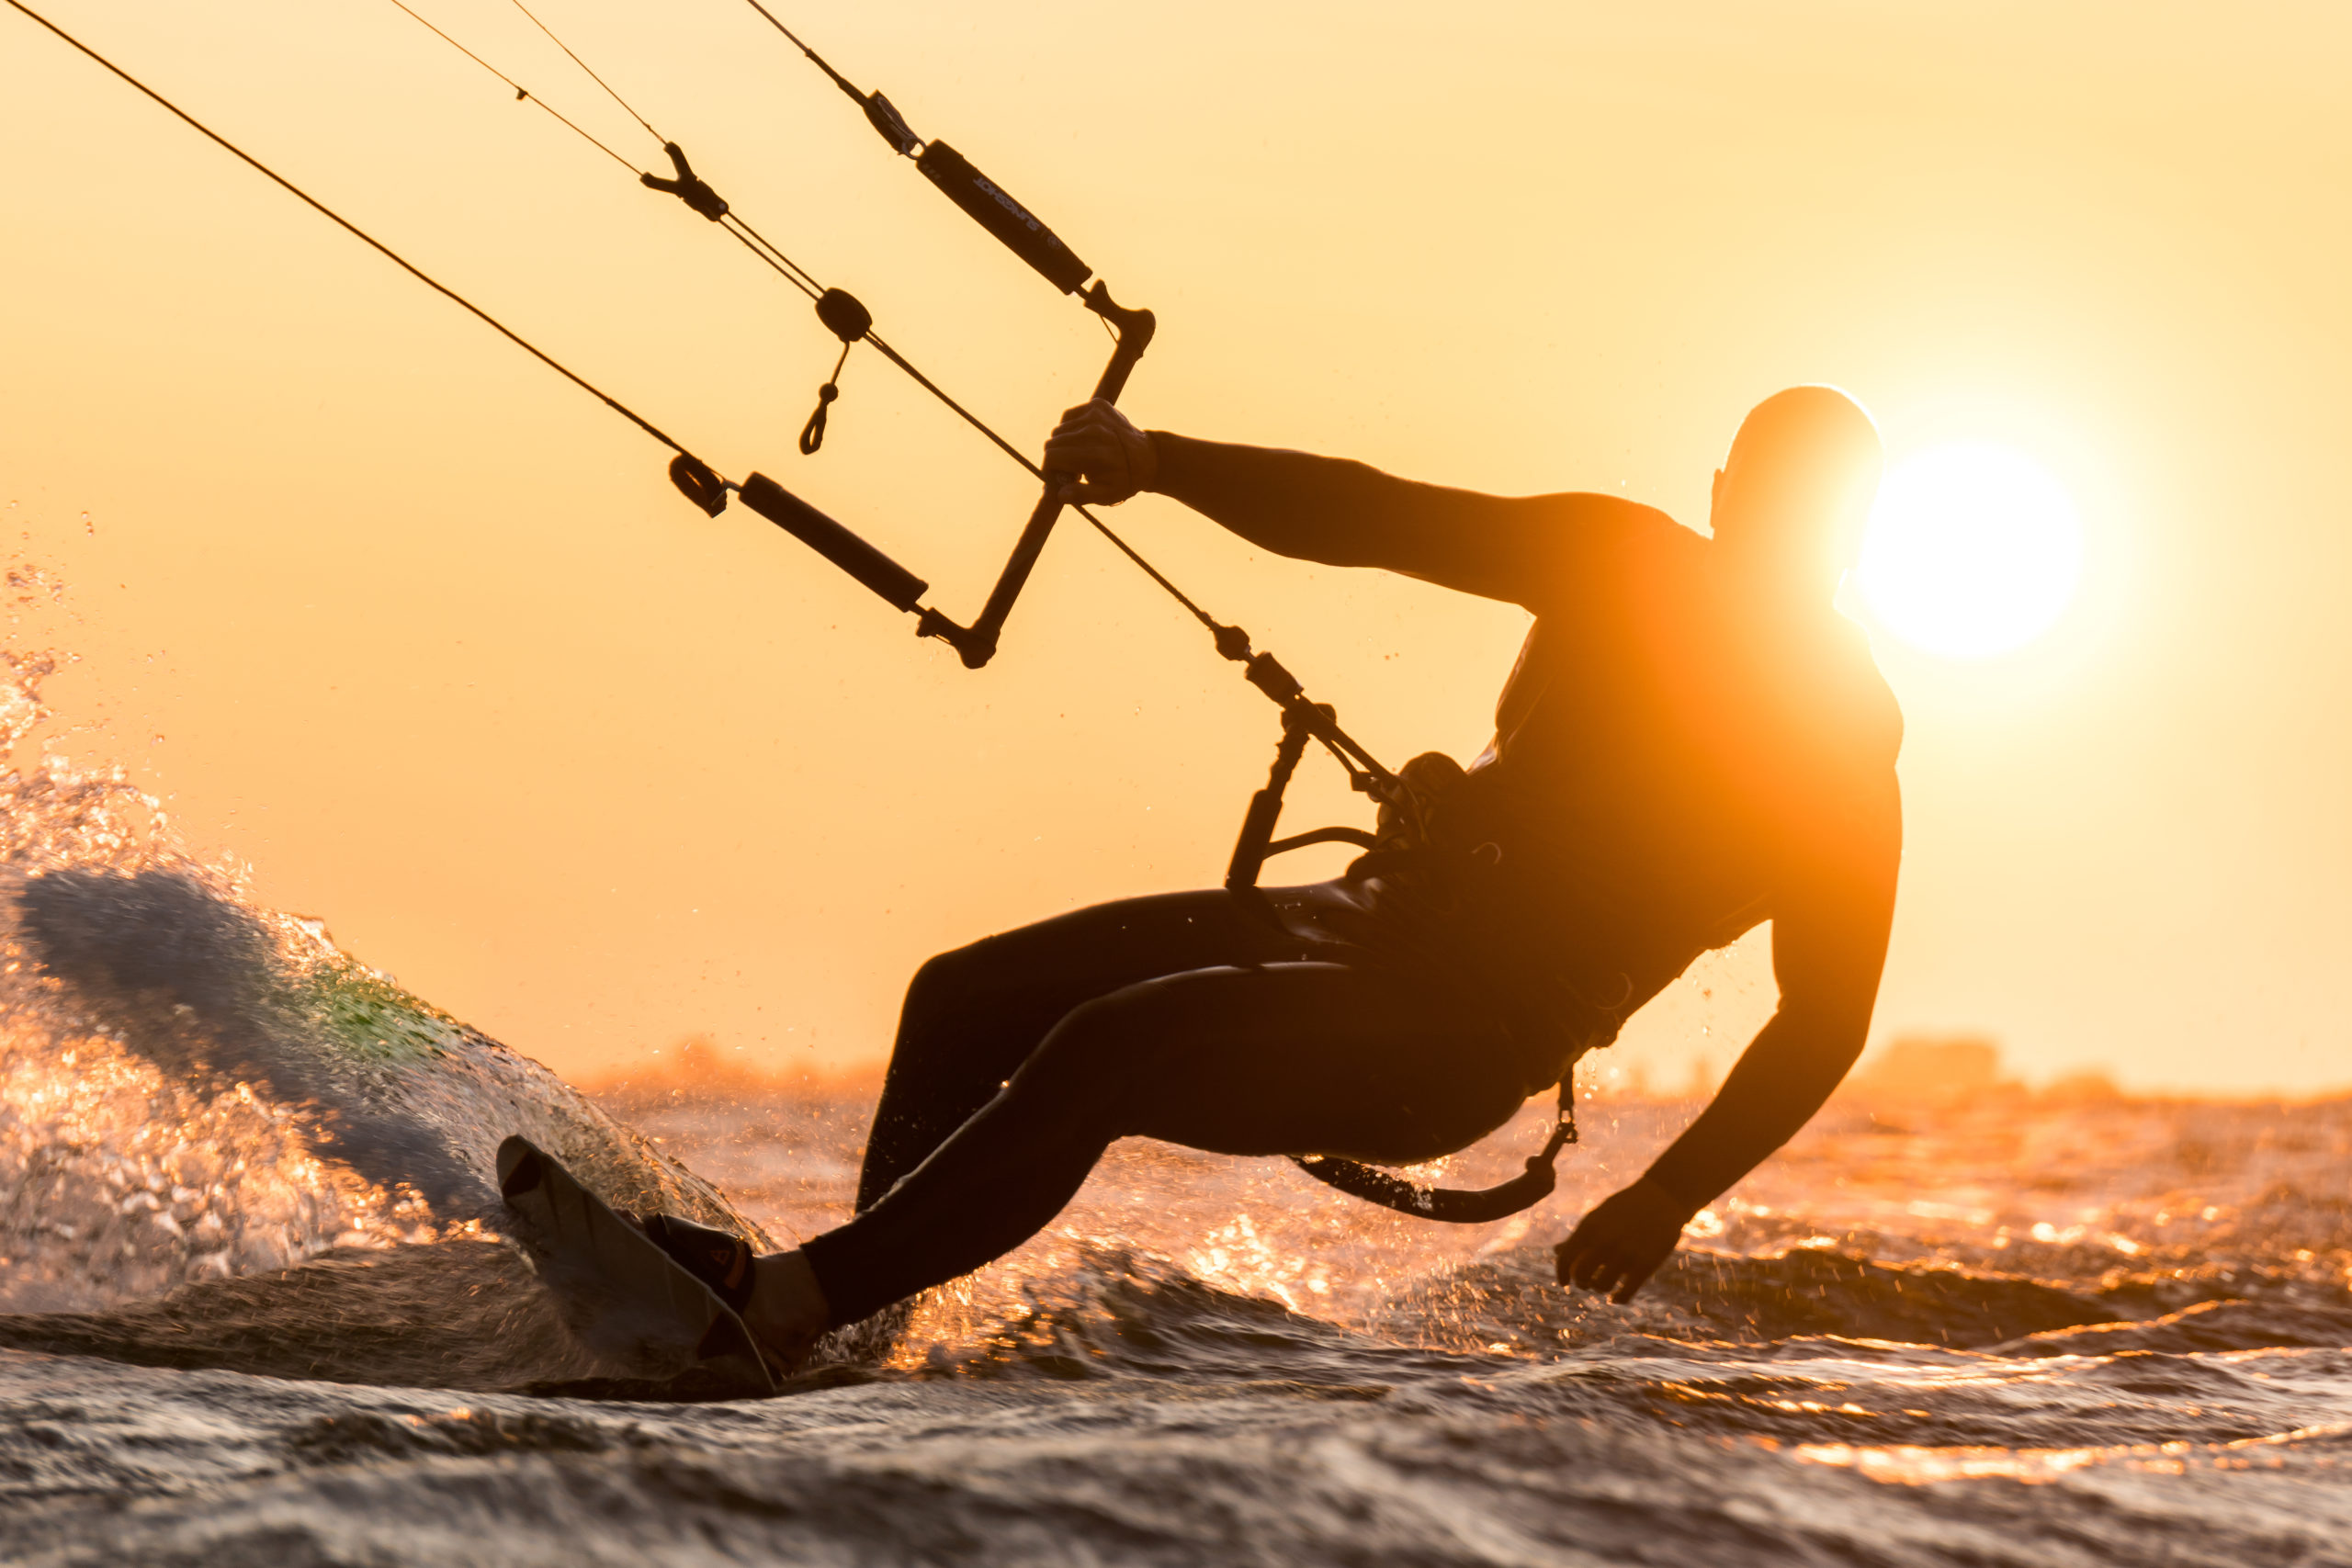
(1620,1244)
(1111,458)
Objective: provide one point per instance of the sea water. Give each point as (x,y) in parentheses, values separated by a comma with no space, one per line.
(1984,1328)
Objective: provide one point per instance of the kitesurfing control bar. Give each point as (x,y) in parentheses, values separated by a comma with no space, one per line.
(848,320)
(894,584)
(1024,233)
(975,644)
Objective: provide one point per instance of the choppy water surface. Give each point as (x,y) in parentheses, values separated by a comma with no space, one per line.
(2006,1332)
(259,1311)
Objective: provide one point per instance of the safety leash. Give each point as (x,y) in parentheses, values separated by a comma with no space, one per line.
(1451,1205)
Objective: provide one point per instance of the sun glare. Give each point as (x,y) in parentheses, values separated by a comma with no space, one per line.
(1973,550)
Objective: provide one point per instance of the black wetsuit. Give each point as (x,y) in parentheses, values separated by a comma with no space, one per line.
(1671,766)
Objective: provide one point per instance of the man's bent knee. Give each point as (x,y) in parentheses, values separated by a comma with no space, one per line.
(944,984)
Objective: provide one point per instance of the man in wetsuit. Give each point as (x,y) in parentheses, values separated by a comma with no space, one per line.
(1692,742)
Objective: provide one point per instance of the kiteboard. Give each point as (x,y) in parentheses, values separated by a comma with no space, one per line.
(622,1296)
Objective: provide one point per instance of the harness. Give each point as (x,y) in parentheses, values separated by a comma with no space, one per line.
(1304,721)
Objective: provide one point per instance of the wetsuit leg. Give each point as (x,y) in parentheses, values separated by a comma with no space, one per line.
(1282,1058)
(973,1016)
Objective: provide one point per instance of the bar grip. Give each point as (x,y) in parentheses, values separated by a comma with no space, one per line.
(894,582)
(1021,231)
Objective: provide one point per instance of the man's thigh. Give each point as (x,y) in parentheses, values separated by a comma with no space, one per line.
(1286,1058)
(1092,952)
(998,997)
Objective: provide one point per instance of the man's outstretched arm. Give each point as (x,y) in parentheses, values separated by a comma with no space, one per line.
(1828,949)
(1347,514)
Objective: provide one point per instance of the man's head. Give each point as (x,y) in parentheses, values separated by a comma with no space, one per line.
(1792,496)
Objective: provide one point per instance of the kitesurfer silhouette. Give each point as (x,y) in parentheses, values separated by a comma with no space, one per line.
(1692,742)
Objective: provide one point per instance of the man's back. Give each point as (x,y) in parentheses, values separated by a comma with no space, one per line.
(1668,757)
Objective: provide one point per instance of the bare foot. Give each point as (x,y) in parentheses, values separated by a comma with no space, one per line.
(787,1309)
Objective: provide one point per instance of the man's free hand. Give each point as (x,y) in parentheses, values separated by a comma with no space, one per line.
(1620,1244)
(1111,458)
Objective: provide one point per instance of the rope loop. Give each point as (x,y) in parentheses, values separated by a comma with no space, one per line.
(698,483)
(848,321)
(812,434)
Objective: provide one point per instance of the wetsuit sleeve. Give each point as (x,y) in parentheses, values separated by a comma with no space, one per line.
(1828,949)
(1529,550)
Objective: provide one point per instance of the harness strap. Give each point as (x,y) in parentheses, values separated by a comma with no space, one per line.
(1303,720)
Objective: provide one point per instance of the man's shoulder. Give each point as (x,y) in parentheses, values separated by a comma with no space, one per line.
(1870,701)
(1598,525)
(1842,731)
(1603,547)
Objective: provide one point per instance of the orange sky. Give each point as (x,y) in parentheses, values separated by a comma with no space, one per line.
(432,644)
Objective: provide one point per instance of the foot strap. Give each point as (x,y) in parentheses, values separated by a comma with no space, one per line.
(718,1259)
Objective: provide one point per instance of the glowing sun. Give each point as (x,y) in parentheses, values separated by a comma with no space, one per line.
(1973,550)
